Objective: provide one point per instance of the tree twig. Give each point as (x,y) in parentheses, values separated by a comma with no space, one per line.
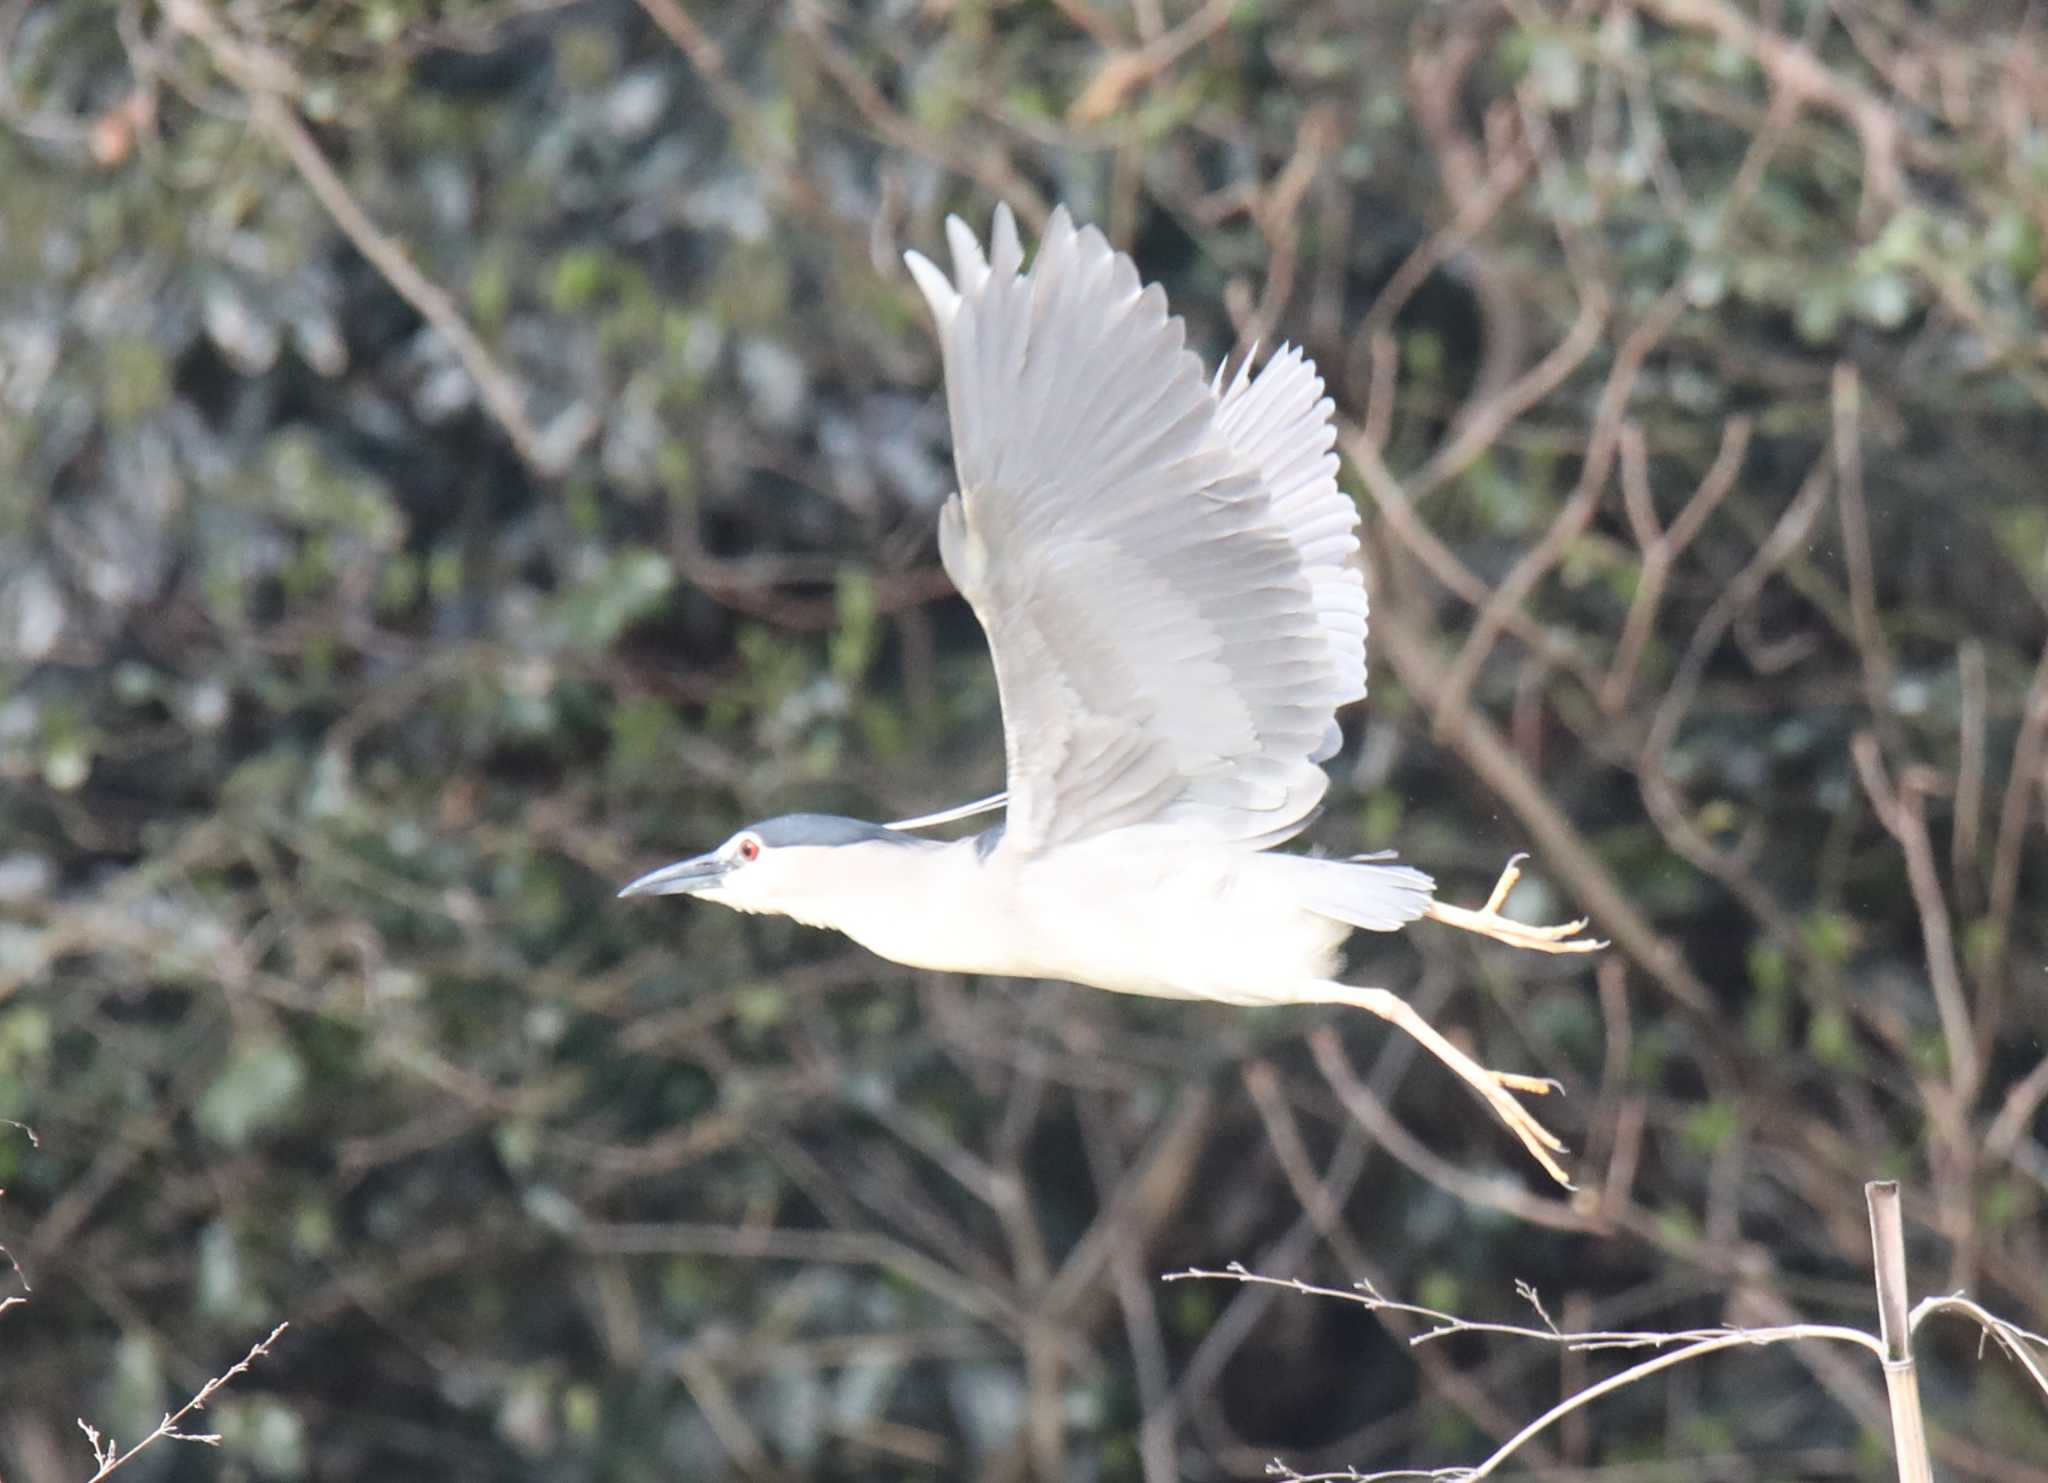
(265,80)
(1695,1344)
(110,1457)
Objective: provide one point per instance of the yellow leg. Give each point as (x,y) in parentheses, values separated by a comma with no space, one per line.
(1497,1087)
(1488,922)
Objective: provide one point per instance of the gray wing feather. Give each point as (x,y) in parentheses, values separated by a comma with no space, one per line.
(1155,566)
(1280,422)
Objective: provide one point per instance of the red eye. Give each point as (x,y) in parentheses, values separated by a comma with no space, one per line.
(750,849)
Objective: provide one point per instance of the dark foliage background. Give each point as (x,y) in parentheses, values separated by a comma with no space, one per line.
(456,455)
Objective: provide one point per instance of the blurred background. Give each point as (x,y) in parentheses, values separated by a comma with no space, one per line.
(459,455)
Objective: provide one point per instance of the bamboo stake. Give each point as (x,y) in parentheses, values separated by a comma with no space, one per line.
(1901,1379)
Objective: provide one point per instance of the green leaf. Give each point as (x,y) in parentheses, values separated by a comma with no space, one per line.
(1709,1126)
(257,1089)
(579,279)
(591,615)
(1829,937)
(1832,1040)
(136,380)
(858,634)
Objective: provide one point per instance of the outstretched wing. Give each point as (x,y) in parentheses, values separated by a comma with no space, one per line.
(1153,564)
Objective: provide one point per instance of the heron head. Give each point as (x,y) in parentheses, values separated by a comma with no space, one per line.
(781,865)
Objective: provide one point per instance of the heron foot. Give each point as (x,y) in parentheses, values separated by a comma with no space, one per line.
(1488,922)
(1497,1087)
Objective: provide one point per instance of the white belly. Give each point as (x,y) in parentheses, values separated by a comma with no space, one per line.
(1180,922)
(1124,912)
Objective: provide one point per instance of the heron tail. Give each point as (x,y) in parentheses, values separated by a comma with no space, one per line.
(1360,892)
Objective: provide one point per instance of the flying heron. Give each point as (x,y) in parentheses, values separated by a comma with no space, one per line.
(1166,572)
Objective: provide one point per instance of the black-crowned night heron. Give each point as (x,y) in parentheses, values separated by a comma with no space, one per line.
(1166,571)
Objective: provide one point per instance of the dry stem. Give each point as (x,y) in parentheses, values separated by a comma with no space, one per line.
(1891,1346)
(110,1457)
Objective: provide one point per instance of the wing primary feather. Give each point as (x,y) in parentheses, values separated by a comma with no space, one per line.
(936,287)
(970,268)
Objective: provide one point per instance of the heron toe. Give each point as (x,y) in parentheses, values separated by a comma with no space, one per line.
(1487,921)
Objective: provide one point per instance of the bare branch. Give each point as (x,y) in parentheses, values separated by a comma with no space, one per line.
(1800,76)
(1899,810)
(2017,1342)
(2019,805)
(1661,547)
(1969,800)
(1443,1325)
(1124,71)
(266,81)
(1695,1344)
(1571,520)
(1871,646)
(1553,836)
(110,1457)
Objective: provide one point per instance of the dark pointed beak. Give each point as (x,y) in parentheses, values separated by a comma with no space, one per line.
(684,878)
